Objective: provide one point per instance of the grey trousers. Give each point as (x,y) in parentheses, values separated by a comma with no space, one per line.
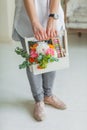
(42,84)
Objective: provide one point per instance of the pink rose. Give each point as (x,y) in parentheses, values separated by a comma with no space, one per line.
(50,51)
(56,41)
(33,54)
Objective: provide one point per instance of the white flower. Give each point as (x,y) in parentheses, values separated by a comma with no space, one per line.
(42,47)
(55,54)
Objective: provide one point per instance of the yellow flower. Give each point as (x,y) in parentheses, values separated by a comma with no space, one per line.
(51,46)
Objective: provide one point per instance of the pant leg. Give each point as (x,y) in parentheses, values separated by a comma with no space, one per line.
(48,81)
(36,85)
(34,80)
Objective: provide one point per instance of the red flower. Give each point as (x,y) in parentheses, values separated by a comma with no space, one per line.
(31,60)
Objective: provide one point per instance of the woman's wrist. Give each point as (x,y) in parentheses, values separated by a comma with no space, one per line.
(51,19)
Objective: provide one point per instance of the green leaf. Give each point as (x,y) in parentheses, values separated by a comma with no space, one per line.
(40,57)
(21,52)
(24,65)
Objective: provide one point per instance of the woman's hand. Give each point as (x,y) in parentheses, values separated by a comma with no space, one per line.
(51,28)
(51,24)
(39,31)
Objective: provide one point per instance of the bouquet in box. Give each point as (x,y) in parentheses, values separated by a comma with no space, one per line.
(41,53)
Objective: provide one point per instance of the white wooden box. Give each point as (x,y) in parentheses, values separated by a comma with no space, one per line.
(61,64)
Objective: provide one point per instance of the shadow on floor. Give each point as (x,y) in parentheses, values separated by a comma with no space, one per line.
(25,104)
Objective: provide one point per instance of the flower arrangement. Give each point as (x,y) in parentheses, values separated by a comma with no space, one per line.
(40,53)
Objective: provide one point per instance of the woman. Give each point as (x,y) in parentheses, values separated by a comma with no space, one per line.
(42,19)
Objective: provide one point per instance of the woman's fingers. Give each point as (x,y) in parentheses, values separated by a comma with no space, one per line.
(36,36)
(56,32)
(48,32)
(51,28)
(51,33)
(39,31)
(40,35)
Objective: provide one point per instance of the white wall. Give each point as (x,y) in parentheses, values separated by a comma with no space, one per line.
(6,19)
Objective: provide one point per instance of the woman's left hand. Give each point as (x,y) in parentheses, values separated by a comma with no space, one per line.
(51,28)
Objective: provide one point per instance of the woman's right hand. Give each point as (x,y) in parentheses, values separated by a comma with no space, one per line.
(39,31)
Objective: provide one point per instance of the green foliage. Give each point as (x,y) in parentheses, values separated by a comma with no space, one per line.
(21,52)
(24,54)
(43,60)
(24,65)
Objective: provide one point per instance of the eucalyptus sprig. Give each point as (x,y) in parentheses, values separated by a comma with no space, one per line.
(24,65)
(24,54)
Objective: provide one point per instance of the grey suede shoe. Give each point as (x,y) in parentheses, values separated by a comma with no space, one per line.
(39,111)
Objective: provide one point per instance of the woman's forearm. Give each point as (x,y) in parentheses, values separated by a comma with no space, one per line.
(31,11)
(38,30)
(54,4)
(51,24)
